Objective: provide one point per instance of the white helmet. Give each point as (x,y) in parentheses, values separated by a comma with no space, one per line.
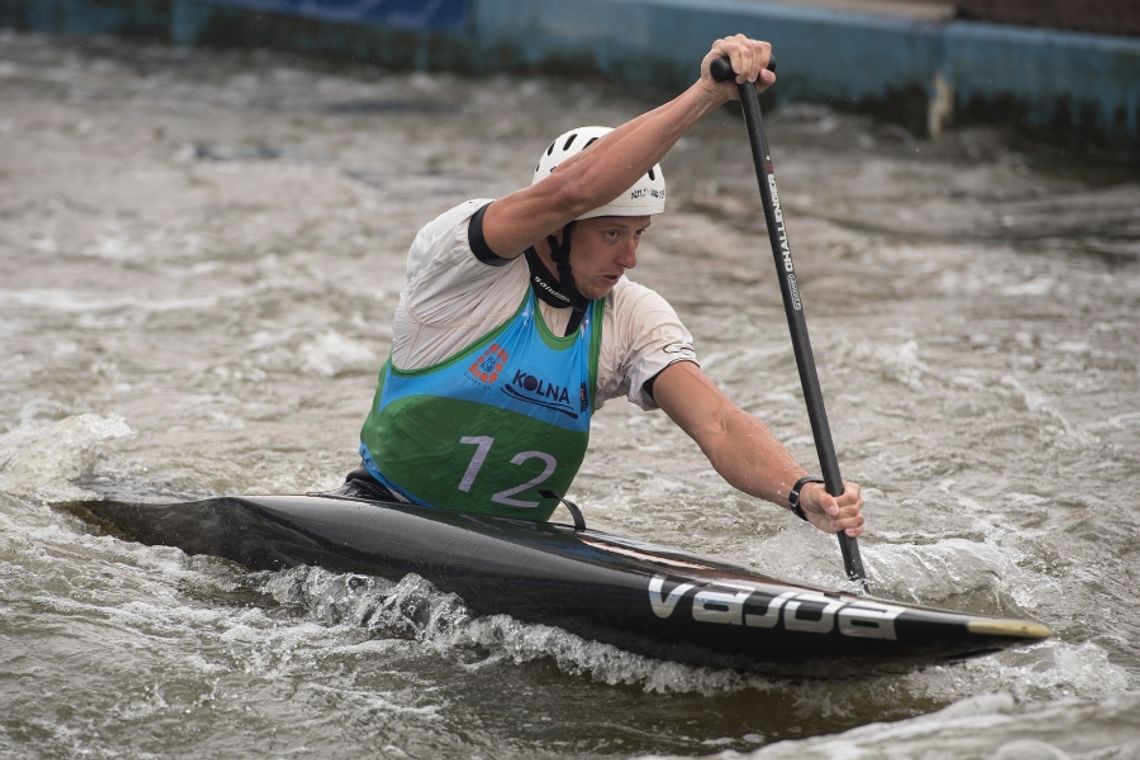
(645,198)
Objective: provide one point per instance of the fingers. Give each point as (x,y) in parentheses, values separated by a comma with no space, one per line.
(850,522)
(749,59)
(842,513)
(850,514)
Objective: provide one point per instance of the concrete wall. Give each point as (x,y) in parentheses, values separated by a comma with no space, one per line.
(1101,16)
(931,75)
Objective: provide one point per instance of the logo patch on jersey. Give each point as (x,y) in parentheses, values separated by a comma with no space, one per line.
(532,389)
(489,364)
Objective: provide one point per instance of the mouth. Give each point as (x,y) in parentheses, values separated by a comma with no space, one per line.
(602,284)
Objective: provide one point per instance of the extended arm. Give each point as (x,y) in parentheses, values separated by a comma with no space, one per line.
(597,176)
(745,452)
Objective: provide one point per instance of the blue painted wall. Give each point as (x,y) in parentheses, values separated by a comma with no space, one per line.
(1075,85)
(1059,78)
(426,15)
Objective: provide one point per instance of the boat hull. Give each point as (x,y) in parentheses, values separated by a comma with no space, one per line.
(648,600)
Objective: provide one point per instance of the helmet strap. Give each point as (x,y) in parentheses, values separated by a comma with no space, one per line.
(560,254)
(558,291)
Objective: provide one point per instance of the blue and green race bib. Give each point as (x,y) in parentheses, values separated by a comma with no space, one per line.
(495,426)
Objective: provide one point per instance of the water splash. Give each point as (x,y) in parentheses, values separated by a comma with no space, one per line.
(41,460)
(413,610)
(333,355)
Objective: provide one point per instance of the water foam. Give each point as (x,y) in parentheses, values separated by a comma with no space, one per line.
(989,725)
(40,460)
(413,610)
(333,355)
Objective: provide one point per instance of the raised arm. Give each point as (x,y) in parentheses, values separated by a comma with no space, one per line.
(597,176)
(745,452)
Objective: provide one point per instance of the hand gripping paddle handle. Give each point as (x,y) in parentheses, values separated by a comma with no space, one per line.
(721,71)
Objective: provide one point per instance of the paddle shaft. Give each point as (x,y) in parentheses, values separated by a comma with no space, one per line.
(793,305)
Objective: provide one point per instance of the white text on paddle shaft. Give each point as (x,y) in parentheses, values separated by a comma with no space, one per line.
(785,248)
(736,603)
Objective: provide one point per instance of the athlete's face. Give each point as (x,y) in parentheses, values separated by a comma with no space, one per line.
(601,249)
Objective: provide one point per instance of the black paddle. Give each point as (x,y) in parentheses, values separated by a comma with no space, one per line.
(721,71)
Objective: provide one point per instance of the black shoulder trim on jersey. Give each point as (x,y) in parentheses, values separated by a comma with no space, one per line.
(478,243)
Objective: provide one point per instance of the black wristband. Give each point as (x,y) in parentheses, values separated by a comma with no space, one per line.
(794,495)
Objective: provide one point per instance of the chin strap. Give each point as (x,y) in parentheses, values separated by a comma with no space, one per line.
(558,290)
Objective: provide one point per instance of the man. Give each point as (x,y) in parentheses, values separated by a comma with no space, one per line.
(517,322)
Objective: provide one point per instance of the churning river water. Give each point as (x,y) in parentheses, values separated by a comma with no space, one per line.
(200,253)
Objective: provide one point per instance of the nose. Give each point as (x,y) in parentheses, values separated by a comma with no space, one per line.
(627,256)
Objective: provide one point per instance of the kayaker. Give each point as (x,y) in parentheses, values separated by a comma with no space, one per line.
(516,322)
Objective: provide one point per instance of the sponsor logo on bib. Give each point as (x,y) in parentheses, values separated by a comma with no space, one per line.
(489,364)
(532,389)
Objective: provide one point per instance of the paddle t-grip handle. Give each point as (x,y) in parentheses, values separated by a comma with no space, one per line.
(721,69)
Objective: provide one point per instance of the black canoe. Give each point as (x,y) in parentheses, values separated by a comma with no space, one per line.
(644,599)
